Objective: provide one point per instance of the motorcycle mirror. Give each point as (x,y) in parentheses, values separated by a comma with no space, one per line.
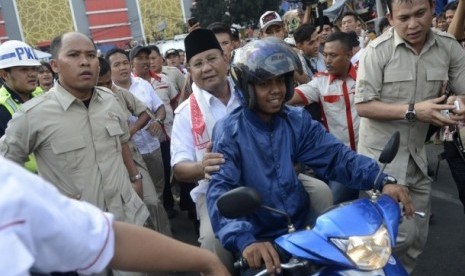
(239,202)
(390,149)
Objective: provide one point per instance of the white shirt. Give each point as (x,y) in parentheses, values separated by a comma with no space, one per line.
(337,100)
(143,90)
(182,139)
(355,58)
(43,231)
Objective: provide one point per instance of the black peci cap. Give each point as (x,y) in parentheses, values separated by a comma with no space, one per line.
(199,41)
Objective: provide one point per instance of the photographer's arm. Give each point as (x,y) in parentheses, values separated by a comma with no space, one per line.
(307,15)
(141,249)
(456,27)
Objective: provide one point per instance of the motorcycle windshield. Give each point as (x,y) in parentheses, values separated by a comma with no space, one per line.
(356,218)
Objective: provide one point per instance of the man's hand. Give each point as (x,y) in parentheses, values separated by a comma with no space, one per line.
(137,185)
(196,26)
(262,252)
(211,161)
(429,111)
(400,194)
(155,129)
(457,114)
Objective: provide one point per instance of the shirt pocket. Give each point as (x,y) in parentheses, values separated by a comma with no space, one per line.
(397,84)
(133,206)
(331,98)
(70,150)
(115,131)
(435,79)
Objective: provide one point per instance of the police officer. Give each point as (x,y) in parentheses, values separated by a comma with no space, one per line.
(18,68)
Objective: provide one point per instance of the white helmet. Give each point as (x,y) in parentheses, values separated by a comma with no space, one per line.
(17,53)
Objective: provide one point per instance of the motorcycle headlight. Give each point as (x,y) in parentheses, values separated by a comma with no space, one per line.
(367,252)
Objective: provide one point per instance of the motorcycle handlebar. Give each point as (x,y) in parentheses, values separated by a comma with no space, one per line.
(242,264)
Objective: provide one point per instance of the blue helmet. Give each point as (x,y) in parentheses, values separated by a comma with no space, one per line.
(261,60)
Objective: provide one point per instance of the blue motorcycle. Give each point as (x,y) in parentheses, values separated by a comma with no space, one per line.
(352,238)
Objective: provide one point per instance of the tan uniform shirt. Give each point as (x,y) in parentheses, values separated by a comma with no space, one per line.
(176,76)
(78,149)
(132,106)
(128,102)
(167,93)
(390,71)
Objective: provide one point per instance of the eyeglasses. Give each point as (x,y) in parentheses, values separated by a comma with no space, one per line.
(43,70)
(199,63)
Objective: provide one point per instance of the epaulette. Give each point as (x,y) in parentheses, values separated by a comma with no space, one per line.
(381,39)
(30,104)
(443,34)
(104,89)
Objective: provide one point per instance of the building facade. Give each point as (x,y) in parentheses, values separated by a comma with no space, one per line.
(109,22)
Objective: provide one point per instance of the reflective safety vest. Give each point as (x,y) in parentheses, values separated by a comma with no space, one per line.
(7,101)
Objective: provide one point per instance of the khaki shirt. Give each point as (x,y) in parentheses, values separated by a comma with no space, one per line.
(176,76)
(132,106)
(77,148)
(390,71)
(128,102)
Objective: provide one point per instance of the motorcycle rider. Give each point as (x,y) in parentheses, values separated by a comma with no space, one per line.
(262,139)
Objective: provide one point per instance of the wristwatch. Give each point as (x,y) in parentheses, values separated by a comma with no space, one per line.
(389,180)
(158,120)
(136,177)
(410,113)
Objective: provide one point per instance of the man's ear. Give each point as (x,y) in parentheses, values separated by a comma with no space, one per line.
(3,74)
(389,17)
(53,64)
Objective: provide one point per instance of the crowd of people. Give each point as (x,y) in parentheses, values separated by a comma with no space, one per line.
(300,113)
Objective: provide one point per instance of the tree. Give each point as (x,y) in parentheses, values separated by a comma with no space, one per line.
(242,12)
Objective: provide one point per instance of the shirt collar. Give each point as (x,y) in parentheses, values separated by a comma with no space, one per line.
(66,99)
(209,97)
(430,40)
(154,75)
(352,74)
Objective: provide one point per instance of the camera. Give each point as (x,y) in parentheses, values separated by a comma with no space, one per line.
(446,112)
(192,21)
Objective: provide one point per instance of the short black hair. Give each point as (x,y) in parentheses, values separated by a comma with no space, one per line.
(348,40)
(383,23)
(154,48)
(220,28)
(304,32)
(351,13)
(55,45)
(452,6)
(389,3)
(104,66)
(113,51)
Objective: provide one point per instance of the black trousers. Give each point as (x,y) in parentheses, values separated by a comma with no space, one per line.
(168,200)
(457,168)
